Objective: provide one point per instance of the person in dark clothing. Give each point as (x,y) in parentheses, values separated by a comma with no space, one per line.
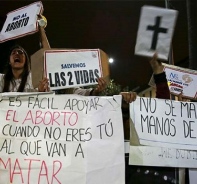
(162,90)
(150,174)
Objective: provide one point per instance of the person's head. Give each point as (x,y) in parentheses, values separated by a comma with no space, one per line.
(18,60)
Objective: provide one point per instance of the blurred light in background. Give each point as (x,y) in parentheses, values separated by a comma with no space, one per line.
(111,60)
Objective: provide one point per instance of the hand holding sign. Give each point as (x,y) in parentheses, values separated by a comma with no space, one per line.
(156,65)
(42,21)
(100,87)
(129,96)
(44,85)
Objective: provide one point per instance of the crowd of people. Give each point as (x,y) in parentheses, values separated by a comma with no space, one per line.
(17,78)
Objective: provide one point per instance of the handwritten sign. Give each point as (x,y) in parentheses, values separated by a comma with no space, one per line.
(21,22)
(61,139)
(160,156)
(72,68)
(165,123)
(155,31)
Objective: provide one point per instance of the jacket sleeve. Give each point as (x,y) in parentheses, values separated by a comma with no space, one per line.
(162,90)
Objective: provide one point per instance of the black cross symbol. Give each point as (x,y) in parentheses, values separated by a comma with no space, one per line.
(156,30)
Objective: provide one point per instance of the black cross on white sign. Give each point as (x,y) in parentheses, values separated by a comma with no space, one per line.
(156,30)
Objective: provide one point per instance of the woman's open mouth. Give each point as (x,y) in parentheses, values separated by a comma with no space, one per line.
(16,60)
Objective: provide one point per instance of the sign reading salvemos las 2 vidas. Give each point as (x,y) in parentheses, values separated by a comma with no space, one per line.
(61,139)
(72,68)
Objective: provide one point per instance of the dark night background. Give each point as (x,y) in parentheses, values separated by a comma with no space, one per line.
(108,25)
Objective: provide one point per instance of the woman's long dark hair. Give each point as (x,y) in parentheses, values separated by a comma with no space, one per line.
(9,77)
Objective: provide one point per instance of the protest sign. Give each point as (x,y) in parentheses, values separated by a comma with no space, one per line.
(61,139)
(21,22)
(160,156)
(155,31)
(165,123)
(37,64)
(72,68)
(180,80)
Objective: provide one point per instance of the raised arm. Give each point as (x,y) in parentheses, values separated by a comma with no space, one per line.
(162,90)
(43,37)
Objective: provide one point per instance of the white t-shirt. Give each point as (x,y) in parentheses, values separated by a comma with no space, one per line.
(29,86)
(13,88)
(81,91)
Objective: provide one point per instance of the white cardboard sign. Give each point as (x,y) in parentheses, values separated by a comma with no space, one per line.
(180,80)
(165,123)
(155,31)
(156,149)
(21,22)
(72,68)
(162,156)
(61,139)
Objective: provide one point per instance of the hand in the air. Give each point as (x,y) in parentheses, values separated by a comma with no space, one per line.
(43,85)
(156,65)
